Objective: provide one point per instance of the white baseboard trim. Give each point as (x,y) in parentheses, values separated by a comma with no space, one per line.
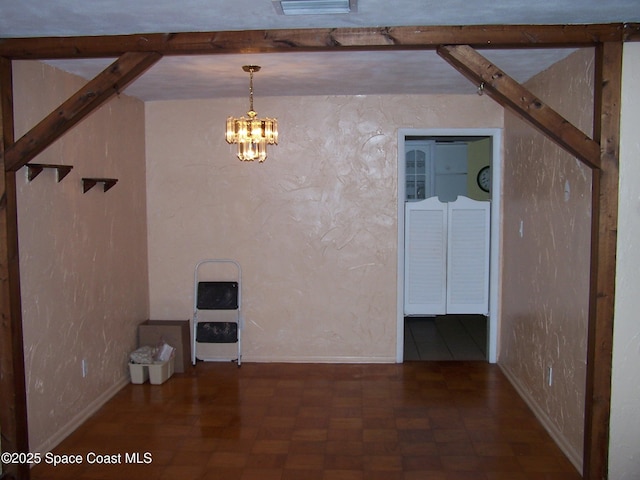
(81,417)
(317,359)
(572,454)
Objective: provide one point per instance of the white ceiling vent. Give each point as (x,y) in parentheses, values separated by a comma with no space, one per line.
(314,7)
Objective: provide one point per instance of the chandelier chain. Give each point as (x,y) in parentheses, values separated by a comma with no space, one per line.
(251,89)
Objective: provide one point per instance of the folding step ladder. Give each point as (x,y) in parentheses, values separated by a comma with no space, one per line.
(217,311)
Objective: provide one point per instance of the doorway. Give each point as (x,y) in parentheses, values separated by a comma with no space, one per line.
(445,338)
(420,177)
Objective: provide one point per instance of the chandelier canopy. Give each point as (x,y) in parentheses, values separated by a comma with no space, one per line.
(252,134)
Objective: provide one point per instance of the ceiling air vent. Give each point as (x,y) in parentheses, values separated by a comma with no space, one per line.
(314,7)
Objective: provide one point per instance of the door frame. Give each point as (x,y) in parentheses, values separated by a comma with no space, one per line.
(495,266)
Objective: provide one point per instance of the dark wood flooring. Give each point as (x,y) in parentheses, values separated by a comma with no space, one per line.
(415,421)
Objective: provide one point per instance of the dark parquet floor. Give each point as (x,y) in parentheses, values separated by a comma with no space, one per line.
(415,421)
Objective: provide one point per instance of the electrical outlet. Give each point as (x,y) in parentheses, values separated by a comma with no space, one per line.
(84,368)
(550,376)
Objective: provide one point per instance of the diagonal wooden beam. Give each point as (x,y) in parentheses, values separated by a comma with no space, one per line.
(513,96)
(109,82)
(13,410)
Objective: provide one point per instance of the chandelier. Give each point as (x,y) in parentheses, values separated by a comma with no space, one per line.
(252,134)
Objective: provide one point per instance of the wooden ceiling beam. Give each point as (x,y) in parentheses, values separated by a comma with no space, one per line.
(13,397)
(516,98)
(319,39)
(109,82)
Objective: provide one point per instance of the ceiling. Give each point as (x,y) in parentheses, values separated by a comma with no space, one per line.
(322,73)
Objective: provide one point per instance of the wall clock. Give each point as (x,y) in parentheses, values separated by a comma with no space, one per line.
(484,179)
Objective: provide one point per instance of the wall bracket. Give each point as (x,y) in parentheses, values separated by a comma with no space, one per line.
(34,169)
(89,183)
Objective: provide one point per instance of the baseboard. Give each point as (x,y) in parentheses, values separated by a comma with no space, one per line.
(81,417)
(574,456)
(316,359)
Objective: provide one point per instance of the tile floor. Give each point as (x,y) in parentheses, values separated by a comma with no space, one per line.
(446,337)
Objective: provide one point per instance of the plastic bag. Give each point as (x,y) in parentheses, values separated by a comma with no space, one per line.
(164,353)
(142,355)
(147,354)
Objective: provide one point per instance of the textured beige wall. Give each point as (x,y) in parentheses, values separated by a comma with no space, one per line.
(314,227)
(624,451)
(83,258)
(546,268)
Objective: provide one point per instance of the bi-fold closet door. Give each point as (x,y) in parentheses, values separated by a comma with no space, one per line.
(447,257)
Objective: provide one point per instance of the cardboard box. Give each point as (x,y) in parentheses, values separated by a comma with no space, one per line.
(174,332)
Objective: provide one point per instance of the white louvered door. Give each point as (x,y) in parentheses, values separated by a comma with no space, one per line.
(468,257)
(446,257)
(425,272)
